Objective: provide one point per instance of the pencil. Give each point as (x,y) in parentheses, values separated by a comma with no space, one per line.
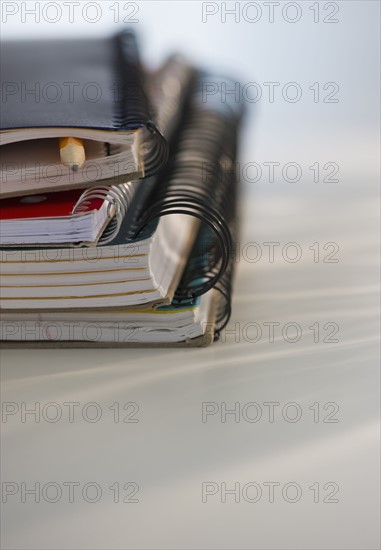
(72,152)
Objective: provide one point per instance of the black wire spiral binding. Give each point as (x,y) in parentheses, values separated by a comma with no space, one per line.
(199,180)
(132,107)
(119,198)
(224,287)
(199,263)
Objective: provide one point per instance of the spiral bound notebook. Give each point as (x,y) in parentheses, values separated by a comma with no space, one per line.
(196,194)
(38,219)
(89,89)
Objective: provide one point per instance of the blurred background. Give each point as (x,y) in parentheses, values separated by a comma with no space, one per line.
(303,338)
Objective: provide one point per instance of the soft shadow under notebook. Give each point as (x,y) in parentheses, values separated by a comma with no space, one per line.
(89,89)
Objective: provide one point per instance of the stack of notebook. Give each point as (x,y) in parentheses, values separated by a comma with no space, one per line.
(118,197)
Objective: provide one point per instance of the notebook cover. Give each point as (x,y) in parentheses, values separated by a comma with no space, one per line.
(49,205)
(80,83)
